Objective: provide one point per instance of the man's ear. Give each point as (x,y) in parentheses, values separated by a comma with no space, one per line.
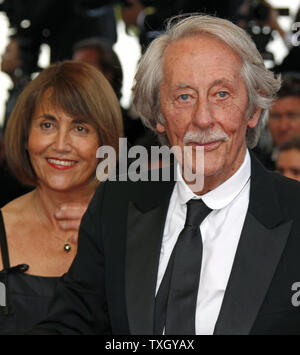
(254,119)
(160,128)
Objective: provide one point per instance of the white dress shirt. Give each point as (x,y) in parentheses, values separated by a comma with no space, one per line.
(220,232)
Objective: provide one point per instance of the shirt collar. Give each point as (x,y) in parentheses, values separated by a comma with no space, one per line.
(221,196)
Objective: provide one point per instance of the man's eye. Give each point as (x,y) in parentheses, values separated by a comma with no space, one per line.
(184,97)
(222,94)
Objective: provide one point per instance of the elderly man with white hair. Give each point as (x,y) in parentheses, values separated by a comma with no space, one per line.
(161,257)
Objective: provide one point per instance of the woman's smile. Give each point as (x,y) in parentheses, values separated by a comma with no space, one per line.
(61,164)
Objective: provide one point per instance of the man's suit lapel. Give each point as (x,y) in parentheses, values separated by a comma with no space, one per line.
(262,241)
(146,220)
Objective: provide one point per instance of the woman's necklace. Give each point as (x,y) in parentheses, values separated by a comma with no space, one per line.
(67,242)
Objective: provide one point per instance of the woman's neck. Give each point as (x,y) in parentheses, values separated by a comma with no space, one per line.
(47,202)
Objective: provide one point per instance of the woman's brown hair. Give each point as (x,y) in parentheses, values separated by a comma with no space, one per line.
(81,91)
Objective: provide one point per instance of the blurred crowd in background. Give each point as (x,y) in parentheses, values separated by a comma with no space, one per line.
(85,30)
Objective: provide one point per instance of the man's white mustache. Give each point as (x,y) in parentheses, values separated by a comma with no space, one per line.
(204,137)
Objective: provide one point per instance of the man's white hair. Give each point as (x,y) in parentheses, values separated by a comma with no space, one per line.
(261,84)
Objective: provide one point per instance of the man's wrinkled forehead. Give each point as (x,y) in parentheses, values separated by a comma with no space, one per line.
(204,54)
(204,37)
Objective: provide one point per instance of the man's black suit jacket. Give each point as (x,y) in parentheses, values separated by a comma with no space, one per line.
(110,287)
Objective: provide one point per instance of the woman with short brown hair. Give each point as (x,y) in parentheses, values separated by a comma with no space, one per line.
(77,89)
(56,127)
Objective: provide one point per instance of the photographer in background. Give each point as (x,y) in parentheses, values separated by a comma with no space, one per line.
(260,19)
(291,62)
(12,65)
(152,23)
(60,24)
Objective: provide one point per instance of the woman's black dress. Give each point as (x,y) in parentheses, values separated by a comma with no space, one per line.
(24,298)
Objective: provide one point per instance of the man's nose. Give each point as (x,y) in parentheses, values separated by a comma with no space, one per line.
(203,117)
(284,124)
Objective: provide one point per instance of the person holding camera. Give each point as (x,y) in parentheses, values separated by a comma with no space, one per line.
(151,23)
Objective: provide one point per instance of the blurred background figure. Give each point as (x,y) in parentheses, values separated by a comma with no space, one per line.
(12,65)
(290,62)
(260,20)
(283,122)
(288,159)
(58,123)
(284,118)
(151,22)
(97,52)
(58,23)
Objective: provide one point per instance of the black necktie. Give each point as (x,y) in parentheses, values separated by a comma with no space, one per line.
(175,305)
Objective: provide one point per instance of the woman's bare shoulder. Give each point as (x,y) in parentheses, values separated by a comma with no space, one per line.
(17,210)
(16,216)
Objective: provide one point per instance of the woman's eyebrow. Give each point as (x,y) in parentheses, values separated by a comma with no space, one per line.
(78,120)
(47,116)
